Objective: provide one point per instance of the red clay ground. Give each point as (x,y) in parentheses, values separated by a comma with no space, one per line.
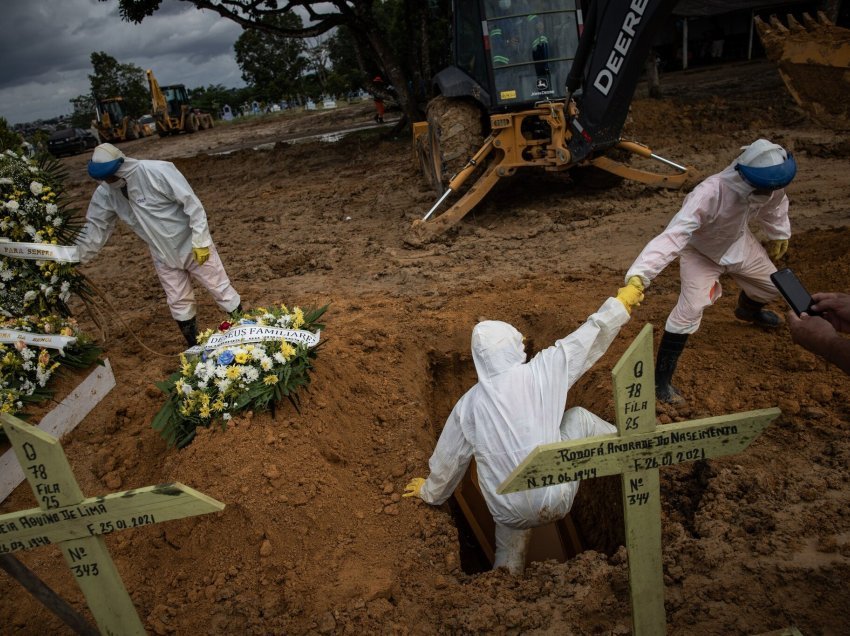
(315,537)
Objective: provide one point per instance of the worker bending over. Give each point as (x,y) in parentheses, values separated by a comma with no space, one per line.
(515,407)
(711,236)
(157,202)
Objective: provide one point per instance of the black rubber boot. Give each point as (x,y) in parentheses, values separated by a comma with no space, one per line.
(671,347)
(189,329)
(754,312)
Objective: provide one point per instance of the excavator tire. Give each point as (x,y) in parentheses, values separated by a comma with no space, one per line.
(191,123)
(454,135)
(813,59)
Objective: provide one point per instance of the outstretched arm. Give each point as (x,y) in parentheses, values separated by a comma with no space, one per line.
(449,462)
(698,208)
(564,362)
(100,223)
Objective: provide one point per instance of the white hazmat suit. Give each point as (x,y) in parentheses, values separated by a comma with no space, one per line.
(710,234)
(159,205)
(515,407)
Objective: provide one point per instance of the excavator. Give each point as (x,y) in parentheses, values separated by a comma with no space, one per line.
(536,83)
(172,110)
(813,59)
(112,122)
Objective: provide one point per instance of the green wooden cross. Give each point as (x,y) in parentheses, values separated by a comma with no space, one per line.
(636,452)
(77,523)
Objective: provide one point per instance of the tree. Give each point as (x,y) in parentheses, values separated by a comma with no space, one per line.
(272,64)
(363,18)
(83,113)
(9,139)
(347,66)
(112,79)
(215,97)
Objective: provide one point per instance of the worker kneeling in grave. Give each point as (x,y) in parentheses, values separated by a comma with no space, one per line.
(515,407)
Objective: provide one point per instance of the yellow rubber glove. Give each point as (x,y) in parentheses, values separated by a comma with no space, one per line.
(200,254)
(412,489)
(630,296)
(636,281)
(776,249)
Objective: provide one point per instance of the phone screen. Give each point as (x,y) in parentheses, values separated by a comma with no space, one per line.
(792,290)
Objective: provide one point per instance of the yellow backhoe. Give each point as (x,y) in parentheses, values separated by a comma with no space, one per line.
(538,84)
(814,62)
(172,110)
(112,122)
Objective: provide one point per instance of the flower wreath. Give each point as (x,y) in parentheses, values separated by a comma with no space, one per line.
(36,334)
(31,350)
(33,211)
(252,363)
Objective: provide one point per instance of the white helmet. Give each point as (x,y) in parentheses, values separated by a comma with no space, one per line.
(766,165)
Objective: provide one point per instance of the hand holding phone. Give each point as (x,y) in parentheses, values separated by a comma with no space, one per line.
(793,292)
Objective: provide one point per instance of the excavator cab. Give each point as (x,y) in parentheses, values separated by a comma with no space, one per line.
(112,110)
(112,121)
(176,97)
(525,53)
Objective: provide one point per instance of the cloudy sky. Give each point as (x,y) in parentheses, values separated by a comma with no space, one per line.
(46,46)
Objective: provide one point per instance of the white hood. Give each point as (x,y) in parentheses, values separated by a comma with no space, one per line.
(496,347)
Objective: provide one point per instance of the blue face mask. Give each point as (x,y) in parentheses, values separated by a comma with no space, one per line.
(769,178)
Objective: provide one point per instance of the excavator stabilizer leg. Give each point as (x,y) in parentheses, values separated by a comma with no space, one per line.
(425,231)
(683,175)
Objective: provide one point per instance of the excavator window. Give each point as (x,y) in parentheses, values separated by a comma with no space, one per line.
(114,110)
(532,46)
(469,45)
(175,97)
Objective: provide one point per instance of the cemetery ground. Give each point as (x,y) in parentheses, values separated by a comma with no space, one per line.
(315,537)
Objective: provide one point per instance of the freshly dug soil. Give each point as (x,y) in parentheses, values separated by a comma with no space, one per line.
(315,537)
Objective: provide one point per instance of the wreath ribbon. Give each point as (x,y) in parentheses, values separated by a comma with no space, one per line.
(48,341)
(40,252)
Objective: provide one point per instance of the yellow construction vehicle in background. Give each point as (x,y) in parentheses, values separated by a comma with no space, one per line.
(112,121)
(172,110)
(814,62)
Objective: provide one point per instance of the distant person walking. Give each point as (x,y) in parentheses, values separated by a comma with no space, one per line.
(157,202)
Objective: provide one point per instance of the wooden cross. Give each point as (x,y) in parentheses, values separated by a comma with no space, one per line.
(636,452)
(66,517)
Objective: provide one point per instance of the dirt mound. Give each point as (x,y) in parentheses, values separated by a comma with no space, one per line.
(316,537)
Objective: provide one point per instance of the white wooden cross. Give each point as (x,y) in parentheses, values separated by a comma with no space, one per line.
(77,523)
(637,451)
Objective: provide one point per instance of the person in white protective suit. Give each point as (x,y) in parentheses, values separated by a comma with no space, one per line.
(157,202)
(515,407)
(711,236)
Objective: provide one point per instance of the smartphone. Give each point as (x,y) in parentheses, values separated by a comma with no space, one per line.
(793,291)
